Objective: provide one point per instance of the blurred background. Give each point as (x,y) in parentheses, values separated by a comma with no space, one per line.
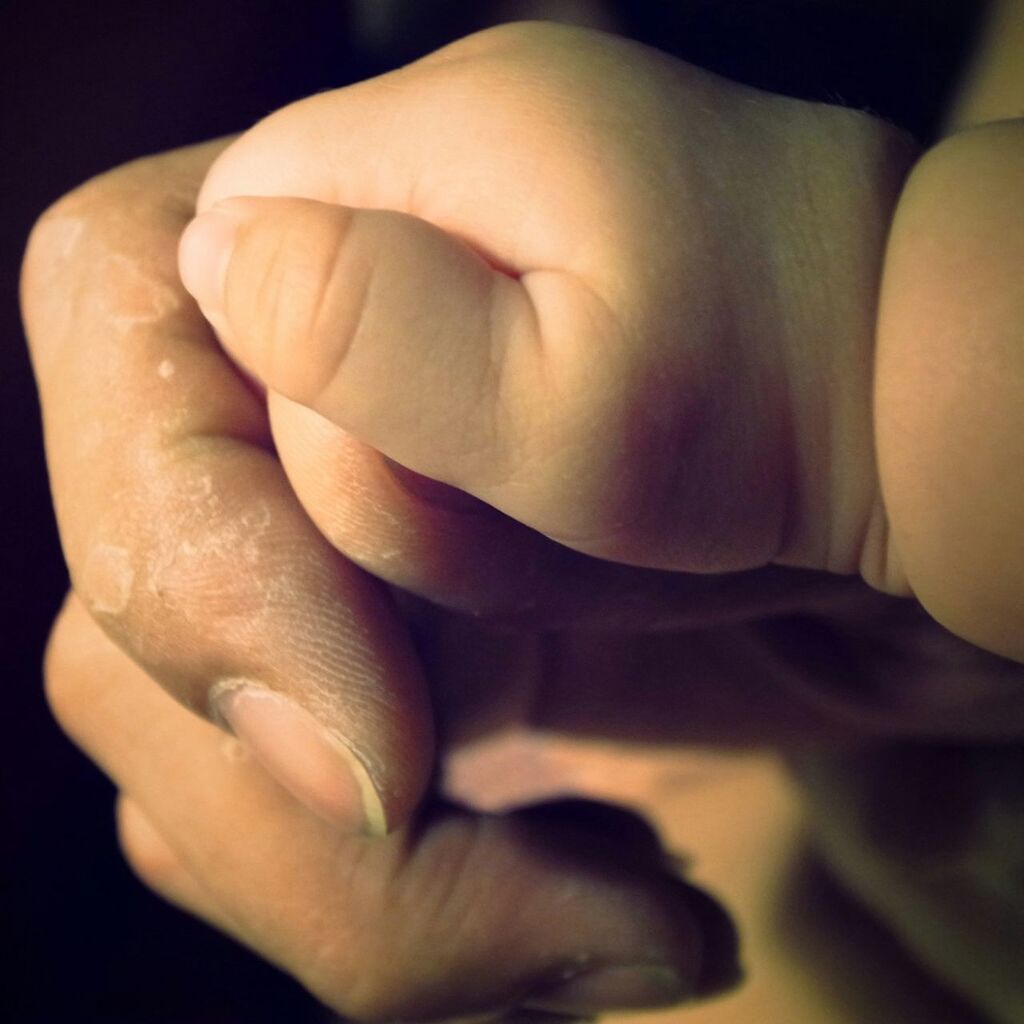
(86,86)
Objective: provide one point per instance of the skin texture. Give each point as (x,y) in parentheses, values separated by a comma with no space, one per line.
(294,483)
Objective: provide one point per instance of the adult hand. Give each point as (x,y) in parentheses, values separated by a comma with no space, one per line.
(210,569)
(185,539)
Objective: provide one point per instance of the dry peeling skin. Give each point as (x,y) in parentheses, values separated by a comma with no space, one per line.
(183,543)
(202,561)
(59,238)
(141,298)
(217,565)
(205,538)
(107,580)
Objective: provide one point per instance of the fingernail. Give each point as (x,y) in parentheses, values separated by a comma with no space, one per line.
(203,255)
(310,761)
(632,987)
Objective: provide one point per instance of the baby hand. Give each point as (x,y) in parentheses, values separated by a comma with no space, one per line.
(624,301)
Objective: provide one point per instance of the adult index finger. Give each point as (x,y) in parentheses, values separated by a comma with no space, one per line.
(182,535)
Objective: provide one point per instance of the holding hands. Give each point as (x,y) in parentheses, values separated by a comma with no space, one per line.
(557,381)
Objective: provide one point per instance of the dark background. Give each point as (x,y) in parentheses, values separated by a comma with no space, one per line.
(85,86)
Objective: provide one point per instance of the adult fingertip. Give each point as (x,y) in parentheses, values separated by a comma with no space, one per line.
(648,985)
(676,945)
(312,762)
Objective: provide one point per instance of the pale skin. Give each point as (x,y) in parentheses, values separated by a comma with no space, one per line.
(672,308)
